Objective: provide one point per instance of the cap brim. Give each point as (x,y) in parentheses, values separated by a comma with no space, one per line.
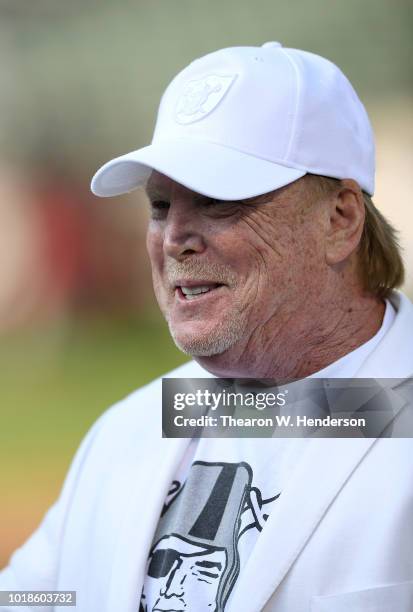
(207,168)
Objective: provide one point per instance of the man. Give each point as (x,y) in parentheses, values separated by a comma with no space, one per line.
(269,261)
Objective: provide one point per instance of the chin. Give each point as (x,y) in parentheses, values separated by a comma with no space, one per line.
(205,344)
(197,346)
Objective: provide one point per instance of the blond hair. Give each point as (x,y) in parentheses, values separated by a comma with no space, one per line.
(381,265)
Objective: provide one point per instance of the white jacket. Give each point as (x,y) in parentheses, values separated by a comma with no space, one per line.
(339,540)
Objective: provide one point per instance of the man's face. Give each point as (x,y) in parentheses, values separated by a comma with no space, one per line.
(226,273)
(182,577)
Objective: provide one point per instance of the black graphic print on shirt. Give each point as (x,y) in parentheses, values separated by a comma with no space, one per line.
(194,561)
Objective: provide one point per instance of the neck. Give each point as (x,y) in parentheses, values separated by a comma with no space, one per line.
(296,344)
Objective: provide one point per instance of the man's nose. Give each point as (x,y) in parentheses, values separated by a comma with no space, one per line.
(182,233)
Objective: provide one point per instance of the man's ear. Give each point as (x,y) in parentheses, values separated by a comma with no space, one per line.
(345,222)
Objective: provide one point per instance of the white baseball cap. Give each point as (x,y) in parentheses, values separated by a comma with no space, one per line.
(243,121)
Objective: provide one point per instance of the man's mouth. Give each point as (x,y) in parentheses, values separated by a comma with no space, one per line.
(191,291)
(188,290)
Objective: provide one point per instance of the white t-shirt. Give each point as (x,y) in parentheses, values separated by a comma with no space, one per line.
(218,503)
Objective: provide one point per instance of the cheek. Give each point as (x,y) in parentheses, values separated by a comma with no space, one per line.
(305,269)
(271,259)
(285,264)
(154,247)
(270,240)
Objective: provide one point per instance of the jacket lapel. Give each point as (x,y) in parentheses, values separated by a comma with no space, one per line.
(321,473)
(149,474)
(140,517)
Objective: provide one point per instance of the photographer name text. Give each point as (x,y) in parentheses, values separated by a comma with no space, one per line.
(225,420)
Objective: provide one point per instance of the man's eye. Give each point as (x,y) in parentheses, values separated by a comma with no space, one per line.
(160,204)
(159,208)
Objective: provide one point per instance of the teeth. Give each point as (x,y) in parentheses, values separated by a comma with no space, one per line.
(191,297)
(190,291)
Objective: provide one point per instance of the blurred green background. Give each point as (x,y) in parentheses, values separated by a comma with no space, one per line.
(81,81)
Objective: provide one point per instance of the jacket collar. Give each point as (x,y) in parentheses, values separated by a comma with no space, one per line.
(323,469)
(393,356)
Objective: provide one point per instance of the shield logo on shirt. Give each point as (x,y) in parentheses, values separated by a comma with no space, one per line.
(201,96)
(194,561)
